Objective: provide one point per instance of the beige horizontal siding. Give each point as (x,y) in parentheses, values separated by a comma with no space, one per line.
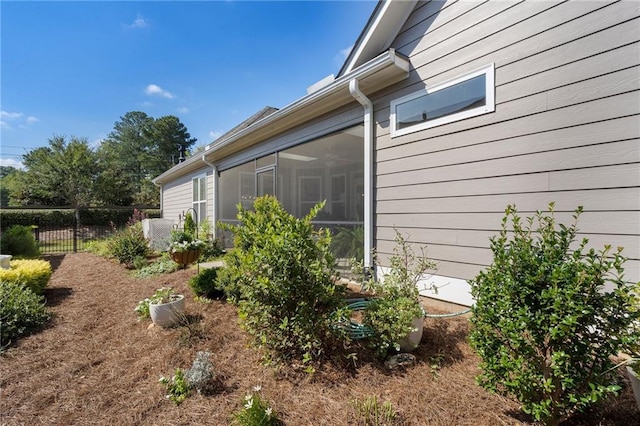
(566,128)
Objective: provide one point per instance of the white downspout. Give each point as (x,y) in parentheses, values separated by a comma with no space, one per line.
(368,170)
(214,212)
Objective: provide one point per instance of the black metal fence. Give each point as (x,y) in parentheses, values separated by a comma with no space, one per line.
(59,231)
(70,237)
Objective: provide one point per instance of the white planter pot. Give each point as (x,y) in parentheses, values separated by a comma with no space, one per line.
(634,377)
(167,314)
(412,341)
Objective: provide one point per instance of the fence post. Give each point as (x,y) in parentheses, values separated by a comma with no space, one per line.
(75,234)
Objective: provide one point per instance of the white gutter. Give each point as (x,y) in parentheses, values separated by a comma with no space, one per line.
(387,58)
(354,90)
(214,213)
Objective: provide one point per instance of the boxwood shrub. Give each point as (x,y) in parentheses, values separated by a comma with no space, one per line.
(19,241)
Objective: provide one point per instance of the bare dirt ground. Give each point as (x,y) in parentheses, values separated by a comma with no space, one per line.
(96,364)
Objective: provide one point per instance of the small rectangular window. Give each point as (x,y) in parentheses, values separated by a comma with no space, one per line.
(463,97)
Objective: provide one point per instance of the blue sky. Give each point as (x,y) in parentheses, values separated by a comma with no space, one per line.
(74,68)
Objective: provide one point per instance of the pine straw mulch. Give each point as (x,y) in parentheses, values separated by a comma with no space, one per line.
(96,364)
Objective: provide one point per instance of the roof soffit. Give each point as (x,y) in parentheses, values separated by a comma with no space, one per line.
(382,28)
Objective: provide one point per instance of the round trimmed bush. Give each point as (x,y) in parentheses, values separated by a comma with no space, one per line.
(19,241)
(205,284)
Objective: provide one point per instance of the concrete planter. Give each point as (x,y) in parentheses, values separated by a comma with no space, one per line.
(167,314)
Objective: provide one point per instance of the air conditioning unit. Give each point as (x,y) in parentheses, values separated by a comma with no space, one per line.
(158,233)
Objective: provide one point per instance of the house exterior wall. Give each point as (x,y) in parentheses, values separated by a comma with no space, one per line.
(177,195)
(566,128)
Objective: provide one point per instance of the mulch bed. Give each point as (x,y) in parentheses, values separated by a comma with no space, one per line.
(96,364)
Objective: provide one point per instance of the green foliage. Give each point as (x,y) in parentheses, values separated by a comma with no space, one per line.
(282,270)
(128,244)
(255,411)
(20,242)
(348,243)
(99,247)
(212,249)
(205,284)
(161,295)
(160,266)
(88,216)
(372,413)
(64,173)
(391,315)
(391,318)
(201,377)
(33,273)
(21,312)
(189,225)
(178,388)
(138,149)
(548,317)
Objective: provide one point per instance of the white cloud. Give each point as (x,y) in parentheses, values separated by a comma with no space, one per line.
(215,134)
(183,110)
(154,89)
(139,22)
(17,118)
(8,162)
(10,115)
(343,54)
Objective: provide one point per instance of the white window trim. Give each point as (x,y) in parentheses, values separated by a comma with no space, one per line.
(488,71)
(196,204)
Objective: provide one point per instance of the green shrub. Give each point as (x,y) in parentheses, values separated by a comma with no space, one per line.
(283,270)
(33,273)
(129,244)
(21,312)
(205,284)
(162,265)
(99,247)
(547,319)
(19,241)
(189,225)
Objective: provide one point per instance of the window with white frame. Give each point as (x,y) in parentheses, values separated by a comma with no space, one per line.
(199,191)
(466,96)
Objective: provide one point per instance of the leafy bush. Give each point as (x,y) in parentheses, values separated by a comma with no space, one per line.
(33,273)
(547,319)
(99,247)
(205,284)
(129,244)
(21,311)
(283,271)
(162,265)
(19,241)
(391,316)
